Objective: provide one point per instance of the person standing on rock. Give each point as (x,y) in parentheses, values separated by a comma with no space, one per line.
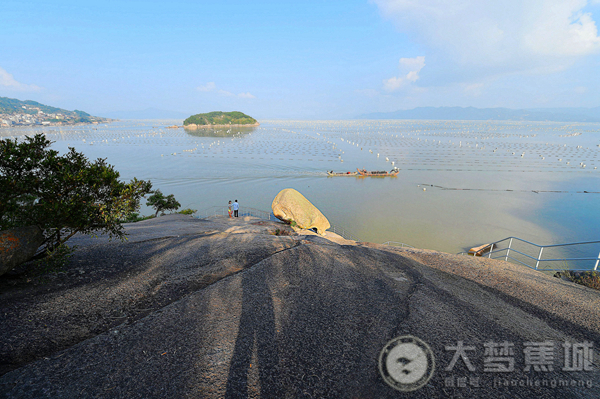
(236,207)
(229,209)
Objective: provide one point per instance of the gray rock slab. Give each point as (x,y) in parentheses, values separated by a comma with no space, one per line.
(301,318)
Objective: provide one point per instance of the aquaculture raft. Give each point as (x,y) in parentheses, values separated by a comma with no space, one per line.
(332,173)
(378,173)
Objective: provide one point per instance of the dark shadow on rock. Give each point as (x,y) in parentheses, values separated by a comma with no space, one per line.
(122,282)
(256,333)
(341,309)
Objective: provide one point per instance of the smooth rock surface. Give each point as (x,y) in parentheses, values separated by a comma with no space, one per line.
(291,206)
(18,245)
(222,308)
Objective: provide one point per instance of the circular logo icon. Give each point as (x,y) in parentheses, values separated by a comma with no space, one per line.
(406,363)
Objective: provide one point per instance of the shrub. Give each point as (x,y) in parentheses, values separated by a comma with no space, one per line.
(136,217)
(188,211)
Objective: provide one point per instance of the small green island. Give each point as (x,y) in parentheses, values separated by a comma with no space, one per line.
(219,118)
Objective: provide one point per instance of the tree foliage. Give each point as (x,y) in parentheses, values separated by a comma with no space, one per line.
(160,203)
(63,194)
(220,118)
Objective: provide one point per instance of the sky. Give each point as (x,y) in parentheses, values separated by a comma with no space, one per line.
(314,59)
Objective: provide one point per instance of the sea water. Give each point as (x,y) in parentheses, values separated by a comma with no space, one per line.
(461,183)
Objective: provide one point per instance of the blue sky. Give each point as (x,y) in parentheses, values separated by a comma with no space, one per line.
(313,59)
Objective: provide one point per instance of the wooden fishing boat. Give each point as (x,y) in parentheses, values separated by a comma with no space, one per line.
(378,173)
(332,173)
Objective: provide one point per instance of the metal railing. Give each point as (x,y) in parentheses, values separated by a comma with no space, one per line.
(534,259)
(344,233)
(397,244)
(258,213)
(244,211)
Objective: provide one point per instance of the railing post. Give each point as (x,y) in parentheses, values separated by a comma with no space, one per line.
(491,249)
(538,258)
(508,250)
(597,261)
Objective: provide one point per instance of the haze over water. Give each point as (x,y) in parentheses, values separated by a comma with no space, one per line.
(484,180)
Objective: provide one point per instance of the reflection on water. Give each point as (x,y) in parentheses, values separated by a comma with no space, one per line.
(460,184)
(220,131)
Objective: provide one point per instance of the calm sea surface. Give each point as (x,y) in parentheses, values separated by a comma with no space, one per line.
(460,183)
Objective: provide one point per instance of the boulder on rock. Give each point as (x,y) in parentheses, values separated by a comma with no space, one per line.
(291,206)
(18,245)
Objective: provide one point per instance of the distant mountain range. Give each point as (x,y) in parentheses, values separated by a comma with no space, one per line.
(15,112)
(12,106)
(495,114)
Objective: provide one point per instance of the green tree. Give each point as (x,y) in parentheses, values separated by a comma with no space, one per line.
(62,194)
(160,203)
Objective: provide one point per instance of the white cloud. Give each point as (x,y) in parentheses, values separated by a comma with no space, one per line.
(509,33)
(7,80)
(210,86)
(563,31)
(393,84)
(474,89)
(225,93)
(246,95)
(410,68)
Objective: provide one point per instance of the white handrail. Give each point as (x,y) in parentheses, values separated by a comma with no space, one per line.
(506,254)
(396,244)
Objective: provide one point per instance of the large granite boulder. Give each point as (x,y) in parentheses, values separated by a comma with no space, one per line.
(18,245)
(291,206)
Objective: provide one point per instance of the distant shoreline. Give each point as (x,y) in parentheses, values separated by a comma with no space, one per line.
(194,126)
(4,126)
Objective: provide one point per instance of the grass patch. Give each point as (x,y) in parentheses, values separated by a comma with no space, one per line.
(281,232)
(589,279)
(188,211)
(55,260)
(135,217)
